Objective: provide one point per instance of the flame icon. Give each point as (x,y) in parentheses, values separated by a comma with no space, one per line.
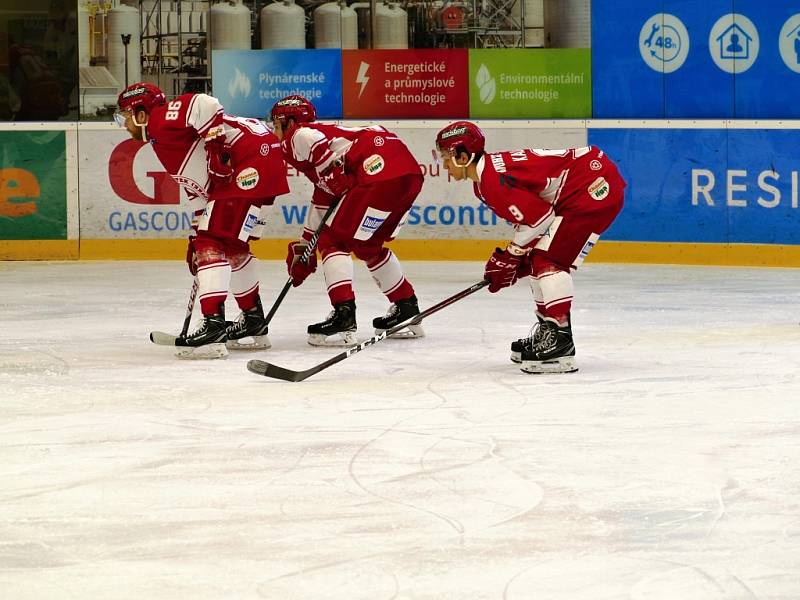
(240,84)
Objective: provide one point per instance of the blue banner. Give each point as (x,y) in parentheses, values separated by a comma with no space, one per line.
(249,82)
(735,186)
(686,59)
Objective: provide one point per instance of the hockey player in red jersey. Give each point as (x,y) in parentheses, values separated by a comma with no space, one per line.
(559,201)
(377,179)
(232,169)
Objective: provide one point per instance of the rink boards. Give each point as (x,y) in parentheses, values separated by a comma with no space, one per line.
(699,192)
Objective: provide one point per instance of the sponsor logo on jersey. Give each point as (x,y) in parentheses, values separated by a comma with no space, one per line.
(247,179)
(264,150)
(372,223)
(599,188)
(378,141)
(250,222)
(595,165)
(214,133)
(374,164)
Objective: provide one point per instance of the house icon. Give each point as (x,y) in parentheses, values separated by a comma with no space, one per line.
(734,42)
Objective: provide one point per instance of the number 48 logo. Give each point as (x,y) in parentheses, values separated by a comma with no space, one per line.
(664,43)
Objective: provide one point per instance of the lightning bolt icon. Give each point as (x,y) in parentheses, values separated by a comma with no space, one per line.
(362,77)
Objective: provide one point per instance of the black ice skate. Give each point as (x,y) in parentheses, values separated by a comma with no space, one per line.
(534,337)
(399,312)
(250,324)
(208,340)
(342,321)
(554,352)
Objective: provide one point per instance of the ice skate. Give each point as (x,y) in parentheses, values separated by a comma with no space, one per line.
(339,329)
(554,352)
(534,337)
(399,312)
(208,341)
(251,325)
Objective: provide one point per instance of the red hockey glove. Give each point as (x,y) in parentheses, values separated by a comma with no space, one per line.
(219,160)
(299,270)
(191,256)
(502,269)
(335,181)
(525,266)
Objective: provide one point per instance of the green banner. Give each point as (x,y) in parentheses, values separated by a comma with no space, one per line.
(33,185)
(530,83)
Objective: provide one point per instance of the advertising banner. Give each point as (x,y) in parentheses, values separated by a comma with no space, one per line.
(530,83)
(405,83)
(684,59)
(125,192)
(249,82)
(705,185)
(33,187)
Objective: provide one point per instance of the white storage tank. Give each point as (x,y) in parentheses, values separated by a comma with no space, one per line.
(83,36)
(335,26)
(123,19)
(283,25)
(229,26)
(391,27)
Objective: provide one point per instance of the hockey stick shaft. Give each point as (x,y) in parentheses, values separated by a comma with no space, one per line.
(189,308)
(311,247)
(276,372)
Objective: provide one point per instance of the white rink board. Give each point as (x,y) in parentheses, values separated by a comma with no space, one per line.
(445,210)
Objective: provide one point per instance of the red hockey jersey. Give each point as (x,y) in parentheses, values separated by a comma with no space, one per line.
(527,186)
(370,153)
(178,129)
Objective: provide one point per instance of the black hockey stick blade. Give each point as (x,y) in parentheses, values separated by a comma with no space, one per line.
(275,372)
(259,367)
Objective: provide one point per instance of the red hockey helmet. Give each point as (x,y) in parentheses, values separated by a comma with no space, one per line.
(141,96)
(297,107)
(461,136)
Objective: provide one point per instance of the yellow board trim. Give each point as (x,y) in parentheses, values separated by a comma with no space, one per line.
(39,250)
(749,255)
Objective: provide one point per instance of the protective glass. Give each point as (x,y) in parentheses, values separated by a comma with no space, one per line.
(121,116)
(441,156)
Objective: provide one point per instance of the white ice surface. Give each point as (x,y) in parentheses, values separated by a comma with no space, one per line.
(667,468)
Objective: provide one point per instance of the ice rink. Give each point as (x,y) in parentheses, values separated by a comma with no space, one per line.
(667,468)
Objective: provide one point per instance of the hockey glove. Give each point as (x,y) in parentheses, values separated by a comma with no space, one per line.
(219,160)
(335,181)
(299,270)
(191,256)
(502,269)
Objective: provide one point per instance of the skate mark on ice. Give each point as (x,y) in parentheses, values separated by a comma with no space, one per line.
(452,523)
(686,580)
(314,579)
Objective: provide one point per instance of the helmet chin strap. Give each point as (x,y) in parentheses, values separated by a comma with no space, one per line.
(464,166)
(143,126)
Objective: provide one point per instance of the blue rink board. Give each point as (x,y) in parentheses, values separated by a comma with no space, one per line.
(249,82)
(667,169)
(624,86)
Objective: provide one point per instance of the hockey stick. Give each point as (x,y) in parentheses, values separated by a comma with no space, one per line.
(269,370)
(189,308)
(167,339)
(311,247)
